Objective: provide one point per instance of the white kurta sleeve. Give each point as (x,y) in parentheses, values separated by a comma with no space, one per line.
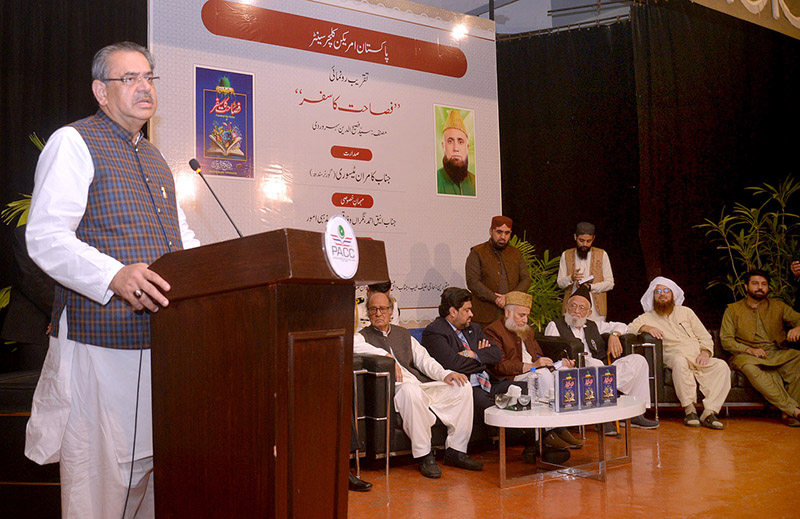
(187,235)
(611,327)
(63,176)
(362,347)
(564,278)
(427,364)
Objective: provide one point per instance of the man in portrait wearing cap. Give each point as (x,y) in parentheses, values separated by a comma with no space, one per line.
(688,351)
(586,265)
(493,270)
(521,354)
(632,370)
(454,177)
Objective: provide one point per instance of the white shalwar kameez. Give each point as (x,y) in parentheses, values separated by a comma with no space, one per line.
(84,405)
(419,403)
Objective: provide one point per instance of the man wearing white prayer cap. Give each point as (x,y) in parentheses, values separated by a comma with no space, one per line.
(688,351)
(632,369)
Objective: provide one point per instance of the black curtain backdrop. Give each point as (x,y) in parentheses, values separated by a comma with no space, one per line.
(718,111)
(645,128)
(569,146)
(45,81)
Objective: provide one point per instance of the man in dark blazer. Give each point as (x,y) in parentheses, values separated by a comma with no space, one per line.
(459,345)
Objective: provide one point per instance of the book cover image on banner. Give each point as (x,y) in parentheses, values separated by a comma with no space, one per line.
(455,151)
(343,105)
(224,122)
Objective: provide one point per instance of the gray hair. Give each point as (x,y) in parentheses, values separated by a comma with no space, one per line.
(373,294)
(100,64)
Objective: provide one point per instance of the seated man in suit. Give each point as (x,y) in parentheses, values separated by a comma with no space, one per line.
(632,370)
(688,351)
(458,344)
(424,390)
(521,354)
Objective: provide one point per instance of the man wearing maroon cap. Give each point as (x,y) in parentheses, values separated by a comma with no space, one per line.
(493,270)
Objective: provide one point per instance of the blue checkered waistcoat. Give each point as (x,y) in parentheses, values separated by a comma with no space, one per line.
(131,215)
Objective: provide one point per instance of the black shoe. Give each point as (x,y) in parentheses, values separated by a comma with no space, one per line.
(640,422)
(461,460)
(358,485)
(529,455)
(555,456)
(429,468)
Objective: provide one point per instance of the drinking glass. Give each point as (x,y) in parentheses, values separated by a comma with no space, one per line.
(502,401)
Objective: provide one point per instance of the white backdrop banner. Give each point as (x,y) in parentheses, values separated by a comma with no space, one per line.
(383,112)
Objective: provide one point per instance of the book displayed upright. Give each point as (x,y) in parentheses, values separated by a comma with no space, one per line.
(607,379)
(566,391)
(587,387)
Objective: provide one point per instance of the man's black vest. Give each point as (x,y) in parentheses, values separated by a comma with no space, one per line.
(398,343)
(593,338)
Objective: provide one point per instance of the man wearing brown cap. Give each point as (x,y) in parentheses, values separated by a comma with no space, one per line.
(454,177)
(522,354)
(493,270)
(632,370)
(583,265)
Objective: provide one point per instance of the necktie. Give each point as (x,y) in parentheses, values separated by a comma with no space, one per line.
(483,377)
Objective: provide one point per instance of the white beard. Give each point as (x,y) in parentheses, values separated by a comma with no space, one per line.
(575,322)
(519,330)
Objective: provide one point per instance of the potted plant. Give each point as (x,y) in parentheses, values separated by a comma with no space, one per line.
(764,237)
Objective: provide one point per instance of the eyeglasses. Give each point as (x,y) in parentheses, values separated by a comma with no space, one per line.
(574,306)
(375,310)
(133,80)
(663,291)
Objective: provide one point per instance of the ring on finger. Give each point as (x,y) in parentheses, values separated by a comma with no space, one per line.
(137,293)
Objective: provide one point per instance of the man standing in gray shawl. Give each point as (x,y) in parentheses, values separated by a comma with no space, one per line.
(688,351)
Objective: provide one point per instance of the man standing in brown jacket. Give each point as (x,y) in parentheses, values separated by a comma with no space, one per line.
(493,270)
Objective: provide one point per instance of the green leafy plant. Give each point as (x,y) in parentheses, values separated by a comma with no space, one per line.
(762,237)
(544,290)
(18,209)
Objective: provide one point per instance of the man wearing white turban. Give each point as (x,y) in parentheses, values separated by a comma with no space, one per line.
(688,351)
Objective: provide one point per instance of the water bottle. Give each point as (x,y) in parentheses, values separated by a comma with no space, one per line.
(533,386)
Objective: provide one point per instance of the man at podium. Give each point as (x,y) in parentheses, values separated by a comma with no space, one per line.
(103,209)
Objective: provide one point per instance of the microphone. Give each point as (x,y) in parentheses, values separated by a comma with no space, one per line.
(196,168)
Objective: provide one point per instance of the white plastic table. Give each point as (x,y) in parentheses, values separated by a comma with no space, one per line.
(545,418)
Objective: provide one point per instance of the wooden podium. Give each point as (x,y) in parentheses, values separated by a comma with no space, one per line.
(252,378)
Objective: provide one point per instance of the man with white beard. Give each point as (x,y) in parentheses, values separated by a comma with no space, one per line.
(521,354)
(688,351)
(632,370)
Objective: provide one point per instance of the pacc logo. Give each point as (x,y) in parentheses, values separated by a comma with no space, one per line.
(341,247)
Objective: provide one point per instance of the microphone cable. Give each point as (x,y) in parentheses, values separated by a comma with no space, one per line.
(141,348)
(135,429)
